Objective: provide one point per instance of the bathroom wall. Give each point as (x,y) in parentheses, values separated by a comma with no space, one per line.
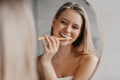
(108,14)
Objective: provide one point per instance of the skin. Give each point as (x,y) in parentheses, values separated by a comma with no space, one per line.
(58,60)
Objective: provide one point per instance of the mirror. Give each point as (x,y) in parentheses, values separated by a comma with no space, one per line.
(44,11)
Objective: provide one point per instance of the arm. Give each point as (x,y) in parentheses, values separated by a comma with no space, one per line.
(50,45)
(86,68)
(48,71)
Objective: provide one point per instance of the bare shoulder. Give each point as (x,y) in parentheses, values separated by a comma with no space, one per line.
(38,63)
(90,58)
(39,57)
(39,67)
(86,67)
(38,60)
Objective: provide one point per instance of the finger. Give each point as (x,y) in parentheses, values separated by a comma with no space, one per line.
(49,42)
(44,45)
(53,41)
(57,42)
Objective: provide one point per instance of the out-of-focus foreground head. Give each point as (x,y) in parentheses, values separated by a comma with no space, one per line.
(17,41)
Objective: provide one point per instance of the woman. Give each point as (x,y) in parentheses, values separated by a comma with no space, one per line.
(68,58)
(17,41)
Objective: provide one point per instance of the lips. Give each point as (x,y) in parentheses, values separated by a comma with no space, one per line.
(65,36)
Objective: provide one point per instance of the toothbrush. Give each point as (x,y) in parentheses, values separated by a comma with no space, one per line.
(43,38)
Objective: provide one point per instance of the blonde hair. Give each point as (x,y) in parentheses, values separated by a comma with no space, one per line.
(83,44)
(17,41)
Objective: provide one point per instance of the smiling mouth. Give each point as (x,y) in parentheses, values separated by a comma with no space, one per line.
(65,36)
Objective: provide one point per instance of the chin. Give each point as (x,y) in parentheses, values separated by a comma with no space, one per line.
(65,43)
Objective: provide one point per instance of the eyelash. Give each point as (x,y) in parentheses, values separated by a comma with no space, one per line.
(65,23)
(74,27)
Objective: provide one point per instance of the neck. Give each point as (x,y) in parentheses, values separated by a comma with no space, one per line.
(64,51)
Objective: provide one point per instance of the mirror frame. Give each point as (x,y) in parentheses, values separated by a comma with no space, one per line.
(100,37)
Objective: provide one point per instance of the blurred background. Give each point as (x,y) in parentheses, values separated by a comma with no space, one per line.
(108,15)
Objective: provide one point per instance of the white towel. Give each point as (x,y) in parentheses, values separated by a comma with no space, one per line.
(66,78)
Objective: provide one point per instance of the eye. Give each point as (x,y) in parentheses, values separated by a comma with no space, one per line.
(63,22)
(75,27)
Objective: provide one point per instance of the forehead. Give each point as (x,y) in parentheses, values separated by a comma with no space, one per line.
(72,16)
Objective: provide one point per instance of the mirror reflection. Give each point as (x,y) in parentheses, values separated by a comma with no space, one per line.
(64,19)
(45,11)
(68,45)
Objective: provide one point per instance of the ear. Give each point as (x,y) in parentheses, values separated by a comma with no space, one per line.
(53,22)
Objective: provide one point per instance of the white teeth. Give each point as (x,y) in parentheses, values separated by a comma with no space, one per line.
(65,36)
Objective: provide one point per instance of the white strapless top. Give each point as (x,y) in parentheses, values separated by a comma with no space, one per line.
(66,78)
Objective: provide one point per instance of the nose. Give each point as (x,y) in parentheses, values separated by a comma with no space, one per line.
(68,29)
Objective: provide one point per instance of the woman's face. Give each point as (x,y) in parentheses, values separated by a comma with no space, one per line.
(68,24)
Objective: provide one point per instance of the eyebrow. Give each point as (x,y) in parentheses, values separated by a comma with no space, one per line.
(64,19)
(67,20)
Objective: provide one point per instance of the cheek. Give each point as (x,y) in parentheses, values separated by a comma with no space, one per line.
(56,30)
(58,27)
(76,34)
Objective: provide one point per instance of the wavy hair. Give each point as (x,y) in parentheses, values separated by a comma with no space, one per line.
(83,44)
